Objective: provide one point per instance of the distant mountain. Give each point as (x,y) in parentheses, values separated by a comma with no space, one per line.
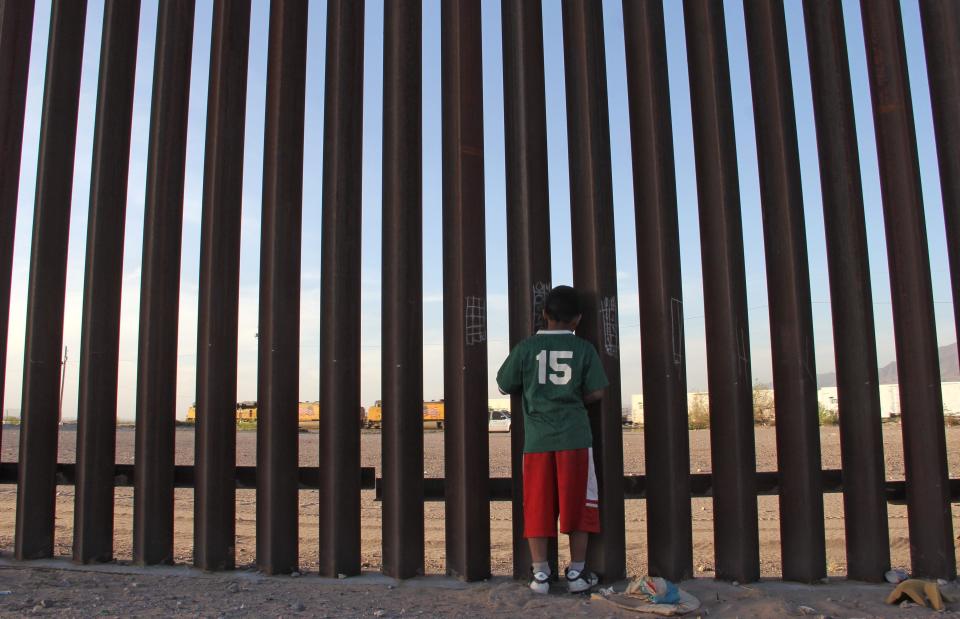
(949,369)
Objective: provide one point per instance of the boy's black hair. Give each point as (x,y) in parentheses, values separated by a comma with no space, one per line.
(562,304)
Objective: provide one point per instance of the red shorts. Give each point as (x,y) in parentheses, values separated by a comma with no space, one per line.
(559,483)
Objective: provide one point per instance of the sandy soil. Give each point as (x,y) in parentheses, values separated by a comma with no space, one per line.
(58,588)
(501,596)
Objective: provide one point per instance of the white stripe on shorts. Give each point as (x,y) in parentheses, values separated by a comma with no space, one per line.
(592,493)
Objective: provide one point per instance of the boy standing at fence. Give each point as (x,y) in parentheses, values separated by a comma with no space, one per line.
(557,373)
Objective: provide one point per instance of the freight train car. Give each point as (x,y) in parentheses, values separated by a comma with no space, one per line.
(432,415)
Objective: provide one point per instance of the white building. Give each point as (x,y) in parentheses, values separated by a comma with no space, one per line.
(951,398)
(890,399)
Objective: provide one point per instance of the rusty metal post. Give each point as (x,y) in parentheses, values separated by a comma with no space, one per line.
(941,37)
(214,526)
(466,444)
(16,36)
(666,432)
(736,541)
(36,487)
(924,441)
(788,283)
(279,337)
(100,338)
(861,439)
(340,292)
(594,262)
(528,217)
(160,286)
(402,316)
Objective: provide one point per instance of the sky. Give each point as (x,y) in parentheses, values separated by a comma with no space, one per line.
(625,242)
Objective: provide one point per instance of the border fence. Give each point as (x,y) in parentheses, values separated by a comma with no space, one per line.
(467,490)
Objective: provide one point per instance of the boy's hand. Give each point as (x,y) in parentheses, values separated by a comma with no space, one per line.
(593,396)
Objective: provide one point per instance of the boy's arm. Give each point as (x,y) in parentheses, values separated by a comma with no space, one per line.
(593,396)
(510,378)
(595,379)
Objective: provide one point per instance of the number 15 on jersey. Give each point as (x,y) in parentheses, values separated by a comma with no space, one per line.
(560,372)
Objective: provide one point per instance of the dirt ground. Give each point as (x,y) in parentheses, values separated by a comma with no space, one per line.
(498,597)
(59,588)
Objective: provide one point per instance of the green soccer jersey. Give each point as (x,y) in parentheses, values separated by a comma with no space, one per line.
(553,370)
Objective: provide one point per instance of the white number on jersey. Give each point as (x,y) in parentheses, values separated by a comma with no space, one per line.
(560,373)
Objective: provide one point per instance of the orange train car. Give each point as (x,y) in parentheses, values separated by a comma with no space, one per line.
(432,414)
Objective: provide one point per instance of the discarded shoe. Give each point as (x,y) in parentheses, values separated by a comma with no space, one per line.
(919,591)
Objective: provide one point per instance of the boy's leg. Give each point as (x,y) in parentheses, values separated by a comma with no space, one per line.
(578,496)
(539,513)
(539,499)
(579,580)
(579,513)
(578,546)
(538,549)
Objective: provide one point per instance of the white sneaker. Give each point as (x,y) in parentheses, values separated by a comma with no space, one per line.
(539,582)
(578,582)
